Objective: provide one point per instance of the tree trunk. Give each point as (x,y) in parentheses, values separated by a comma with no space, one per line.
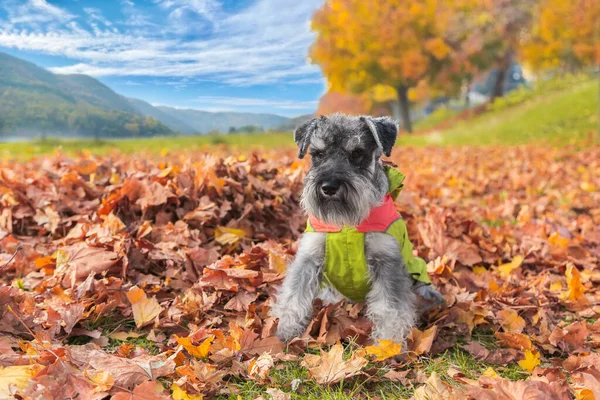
(503,66)
(396,111)
(404,108)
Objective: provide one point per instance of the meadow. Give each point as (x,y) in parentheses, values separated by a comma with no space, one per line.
(145,269)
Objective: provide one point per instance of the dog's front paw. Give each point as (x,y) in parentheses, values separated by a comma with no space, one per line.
(429,293)
(289,328)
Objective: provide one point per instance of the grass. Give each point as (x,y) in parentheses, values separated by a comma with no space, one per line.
(558,112)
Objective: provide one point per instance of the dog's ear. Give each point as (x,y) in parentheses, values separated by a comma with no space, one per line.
(385,131)
(302,135)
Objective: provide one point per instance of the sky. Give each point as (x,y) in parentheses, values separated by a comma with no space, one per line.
(213,55)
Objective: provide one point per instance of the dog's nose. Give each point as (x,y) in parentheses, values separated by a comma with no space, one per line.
(329,188)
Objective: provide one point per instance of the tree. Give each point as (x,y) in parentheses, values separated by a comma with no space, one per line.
(399,44)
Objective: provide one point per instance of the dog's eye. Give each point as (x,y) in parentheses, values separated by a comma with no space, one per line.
(316,153)
(356,156)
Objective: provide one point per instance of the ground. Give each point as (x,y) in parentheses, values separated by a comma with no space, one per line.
(151,276)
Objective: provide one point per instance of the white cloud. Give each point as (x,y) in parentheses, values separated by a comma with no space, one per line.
(34,12)
(255,102)
(265,43)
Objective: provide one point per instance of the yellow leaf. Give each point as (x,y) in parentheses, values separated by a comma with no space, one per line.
(556,287)
(532,360)
(16,377)
(103,380)
(277,263)
(200,351)
(434,389)
(180,394)
(510,320)
(576,289)
(479,270)
(384,350)
(506,269)
(228,236)
(144,309)
(490,372)
(164,151)
(588,187)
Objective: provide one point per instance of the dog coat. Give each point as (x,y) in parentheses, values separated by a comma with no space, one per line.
(345,261)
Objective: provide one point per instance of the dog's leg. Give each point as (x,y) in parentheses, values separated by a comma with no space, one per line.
(390,302)
(300,286)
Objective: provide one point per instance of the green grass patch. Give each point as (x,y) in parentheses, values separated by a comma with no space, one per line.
(556,112)
(156,145)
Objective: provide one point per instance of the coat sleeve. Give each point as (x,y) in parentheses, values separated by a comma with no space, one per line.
(416,266)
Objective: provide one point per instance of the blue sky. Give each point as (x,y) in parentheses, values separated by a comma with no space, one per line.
(214,55)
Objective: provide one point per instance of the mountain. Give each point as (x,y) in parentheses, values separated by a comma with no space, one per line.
(204,121)
(34,102)
(164,117)
(293,123)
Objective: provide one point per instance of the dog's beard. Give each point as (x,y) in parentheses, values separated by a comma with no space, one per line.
(350,206)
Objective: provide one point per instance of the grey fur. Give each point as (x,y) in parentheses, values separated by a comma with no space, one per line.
(347,150)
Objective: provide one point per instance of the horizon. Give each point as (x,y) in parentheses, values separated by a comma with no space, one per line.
(188,62)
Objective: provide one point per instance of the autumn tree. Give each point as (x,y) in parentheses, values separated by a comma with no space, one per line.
(564,35)
(362,44)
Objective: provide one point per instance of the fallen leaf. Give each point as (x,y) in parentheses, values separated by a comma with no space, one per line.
(149,390)
(330,367)
(532,360)
(510,320)
(384,350)
(180,394)
(200,351)
(506,269)
(144,309)
(16,377)
(575,288)
(434,389)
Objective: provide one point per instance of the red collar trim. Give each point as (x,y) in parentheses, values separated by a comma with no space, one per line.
(379,220)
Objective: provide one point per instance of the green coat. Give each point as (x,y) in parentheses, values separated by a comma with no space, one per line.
(345,261)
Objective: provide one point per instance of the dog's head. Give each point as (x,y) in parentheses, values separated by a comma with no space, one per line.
(346,179)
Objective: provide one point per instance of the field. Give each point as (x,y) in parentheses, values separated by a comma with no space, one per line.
(150,275)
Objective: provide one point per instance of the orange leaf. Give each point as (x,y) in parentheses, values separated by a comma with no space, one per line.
(510,320)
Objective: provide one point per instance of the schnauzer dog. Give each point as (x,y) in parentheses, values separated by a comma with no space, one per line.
(355,245)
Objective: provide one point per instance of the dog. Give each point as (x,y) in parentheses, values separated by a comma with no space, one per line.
(355,245)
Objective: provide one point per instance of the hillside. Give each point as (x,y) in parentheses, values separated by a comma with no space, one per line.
(172,122)
(293,123)
(204,121)
(35,102)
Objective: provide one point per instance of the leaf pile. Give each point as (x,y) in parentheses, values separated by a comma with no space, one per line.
(152,278)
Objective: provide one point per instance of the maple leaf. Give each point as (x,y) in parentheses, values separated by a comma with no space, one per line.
(506,269)
(260,367)
(576,290)
(422,341)
(229,236)
(532,360)
(515,340)
(200,351)
(434,389)
(330,367)
(180,394)
(144,309)
(102,380)
(149,390)
(510,320)
(15,378)
(384,349)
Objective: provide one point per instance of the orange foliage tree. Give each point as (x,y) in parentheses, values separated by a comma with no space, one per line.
(348,103)
(361,44)
(565,34)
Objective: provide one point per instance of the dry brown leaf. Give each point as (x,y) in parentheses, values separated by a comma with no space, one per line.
(330,367)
